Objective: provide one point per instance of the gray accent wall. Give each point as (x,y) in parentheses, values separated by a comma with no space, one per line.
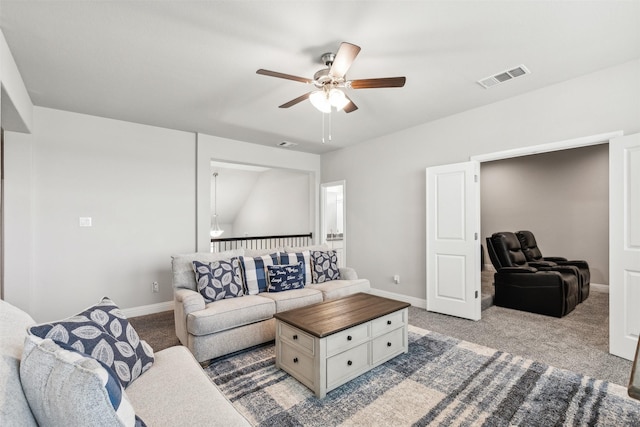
(562,197)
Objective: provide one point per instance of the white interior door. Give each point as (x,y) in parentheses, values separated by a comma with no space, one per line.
(624,245)
(453,246)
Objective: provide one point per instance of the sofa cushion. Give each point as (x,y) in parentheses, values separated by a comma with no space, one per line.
(182,267)
(68,388)
(14,409)
(254,271)
(341,288)
(230,313)
(103,332)
(295,258)
(218,279)
(176,392)
(324,265)
(294,298)
(285,277)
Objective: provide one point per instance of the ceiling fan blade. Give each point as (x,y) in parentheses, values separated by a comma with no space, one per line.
(295,101)
(378,83)
(347,52)
(283,76)
(350,106)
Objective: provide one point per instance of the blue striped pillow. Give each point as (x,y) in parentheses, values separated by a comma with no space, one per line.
(295,258)
(254,272)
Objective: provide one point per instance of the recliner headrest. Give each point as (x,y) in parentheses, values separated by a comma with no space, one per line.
(529,245)
(508,250)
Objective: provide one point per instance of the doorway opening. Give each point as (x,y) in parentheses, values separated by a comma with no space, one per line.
(333,218)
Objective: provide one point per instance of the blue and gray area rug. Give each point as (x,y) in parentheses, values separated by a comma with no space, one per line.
(440,381)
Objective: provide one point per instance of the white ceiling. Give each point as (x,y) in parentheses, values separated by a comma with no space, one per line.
(191,65)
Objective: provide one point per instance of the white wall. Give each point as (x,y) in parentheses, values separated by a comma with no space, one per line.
(386,176)
(278,204)
(17,109)
(136,182)
(227,150)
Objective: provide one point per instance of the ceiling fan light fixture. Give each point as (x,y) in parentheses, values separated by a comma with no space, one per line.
(338,99)
(320,100)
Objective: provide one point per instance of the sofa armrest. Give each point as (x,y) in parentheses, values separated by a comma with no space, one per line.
(190,300)
(348,273)
(185,302)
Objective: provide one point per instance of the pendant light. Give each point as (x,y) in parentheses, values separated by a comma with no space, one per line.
(215,227)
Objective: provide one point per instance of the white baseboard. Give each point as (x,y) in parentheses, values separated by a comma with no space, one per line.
(148,309)
(416,302)
(599,287)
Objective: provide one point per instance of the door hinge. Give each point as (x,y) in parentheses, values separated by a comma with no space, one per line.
(476,294)
(475,236)
(475,178)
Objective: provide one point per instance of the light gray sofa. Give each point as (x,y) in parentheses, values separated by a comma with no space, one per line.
(175,391)
(214,329)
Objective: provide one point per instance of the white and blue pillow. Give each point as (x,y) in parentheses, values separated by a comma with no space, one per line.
(66,387)
(218,280)
(325,266)
(254,272)
(285,277)
(103,332)
(294,258)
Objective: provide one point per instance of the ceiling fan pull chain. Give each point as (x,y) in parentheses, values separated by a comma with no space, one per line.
(322,127)
(330,124)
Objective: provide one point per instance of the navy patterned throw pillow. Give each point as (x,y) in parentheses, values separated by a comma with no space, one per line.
(104,333)
(293,258)
(324,266)
(285,277)
(219,279)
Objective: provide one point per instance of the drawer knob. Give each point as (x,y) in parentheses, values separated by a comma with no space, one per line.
(388,344)
(349,362)
(295,337)
(349,338)
(388,322)
(295,360)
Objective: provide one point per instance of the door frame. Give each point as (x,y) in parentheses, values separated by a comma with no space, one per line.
(585,141)
(323,232)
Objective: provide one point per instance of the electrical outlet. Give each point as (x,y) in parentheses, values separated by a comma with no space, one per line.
(396,279)
(155,287)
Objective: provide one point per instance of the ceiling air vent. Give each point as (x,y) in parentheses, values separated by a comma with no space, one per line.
(503,76)
(286,144)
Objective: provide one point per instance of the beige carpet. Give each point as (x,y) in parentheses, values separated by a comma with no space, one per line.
(577,342)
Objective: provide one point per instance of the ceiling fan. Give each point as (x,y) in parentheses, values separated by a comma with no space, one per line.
(331,81)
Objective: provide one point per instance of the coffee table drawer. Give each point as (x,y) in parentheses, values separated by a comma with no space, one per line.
(295,360)
(389,322)
(347,339)
(344,366)
(297,338)
(388,344)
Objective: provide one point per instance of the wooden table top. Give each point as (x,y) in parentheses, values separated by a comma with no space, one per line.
(329,317)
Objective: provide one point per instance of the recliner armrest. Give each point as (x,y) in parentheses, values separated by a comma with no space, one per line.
(557,259)
(542,264)
(576,263)
(519,270)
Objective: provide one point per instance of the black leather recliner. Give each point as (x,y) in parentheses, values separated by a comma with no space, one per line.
(534,287)
(533,254)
